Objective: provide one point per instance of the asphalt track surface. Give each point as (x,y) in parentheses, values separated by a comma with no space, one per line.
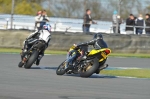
(37,83)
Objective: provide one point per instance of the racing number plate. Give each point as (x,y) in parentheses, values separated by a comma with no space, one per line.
(104,55)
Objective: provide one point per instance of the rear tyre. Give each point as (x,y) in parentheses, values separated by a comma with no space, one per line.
(90,69)
(100,65)
(61,69)
(20,64)
(31,60)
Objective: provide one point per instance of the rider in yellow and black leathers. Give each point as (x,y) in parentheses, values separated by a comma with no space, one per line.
(80,49)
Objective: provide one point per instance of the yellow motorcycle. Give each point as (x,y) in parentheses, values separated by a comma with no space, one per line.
(92,62)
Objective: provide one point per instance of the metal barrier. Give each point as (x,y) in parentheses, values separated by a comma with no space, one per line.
(58,24)
(134,28)
(63,25)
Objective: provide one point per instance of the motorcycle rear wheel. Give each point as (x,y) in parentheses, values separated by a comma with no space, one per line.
(31,60)
(90,69)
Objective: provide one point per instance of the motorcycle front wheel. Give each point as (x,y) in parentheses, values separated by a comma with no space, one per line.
(20,64)
(61,69)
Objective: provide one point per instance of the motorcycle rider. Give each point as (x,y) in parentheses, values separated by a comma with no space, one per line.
(32,38)
(40,21)
(97,43)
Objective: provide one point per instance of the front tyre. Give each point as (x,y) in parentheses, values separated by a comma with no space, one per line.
(89,68)
(61,69)
(20,64)
(31,60)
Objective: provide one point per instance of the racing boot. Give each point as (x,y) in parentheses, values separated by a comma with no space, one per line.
(68,67)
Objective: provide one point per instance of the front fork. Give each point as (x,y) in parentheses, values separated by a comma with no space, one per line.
(24,54)
(23,57)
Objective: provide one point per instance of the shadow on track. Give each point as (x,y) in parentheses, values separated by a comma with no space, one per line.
(75,75)
(52,68)
(93,76)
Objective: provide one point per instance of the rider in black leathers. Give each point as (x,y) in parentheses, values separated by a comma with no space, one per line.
(97,43)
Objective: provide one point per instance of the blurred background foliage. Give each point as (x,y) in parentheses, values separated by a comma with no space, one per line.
(101,9)
(24,7)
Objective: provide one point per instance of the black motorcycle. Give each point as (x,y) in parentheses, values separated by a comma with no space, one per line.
(37,47)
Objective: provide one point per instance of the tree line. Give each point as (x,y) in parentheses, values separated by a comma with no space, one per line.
(101,9)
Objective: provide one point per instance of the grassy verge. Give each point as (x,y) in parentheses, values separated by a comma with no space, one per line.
(130,55)
(139,73)
(9,50)
(13,50)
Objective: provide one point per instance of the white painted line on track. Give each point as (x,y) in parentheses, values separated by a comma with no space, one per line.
(126,67)
(132,77)
(124,77)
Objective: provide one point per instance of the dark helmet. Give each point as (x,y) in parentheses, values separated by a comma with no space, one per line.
(98,36)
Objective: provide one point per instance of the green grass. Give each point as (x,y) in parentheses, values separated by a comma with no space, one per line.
(9,50)
(131,55)
(56,52)
(13,50)
(139,73)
